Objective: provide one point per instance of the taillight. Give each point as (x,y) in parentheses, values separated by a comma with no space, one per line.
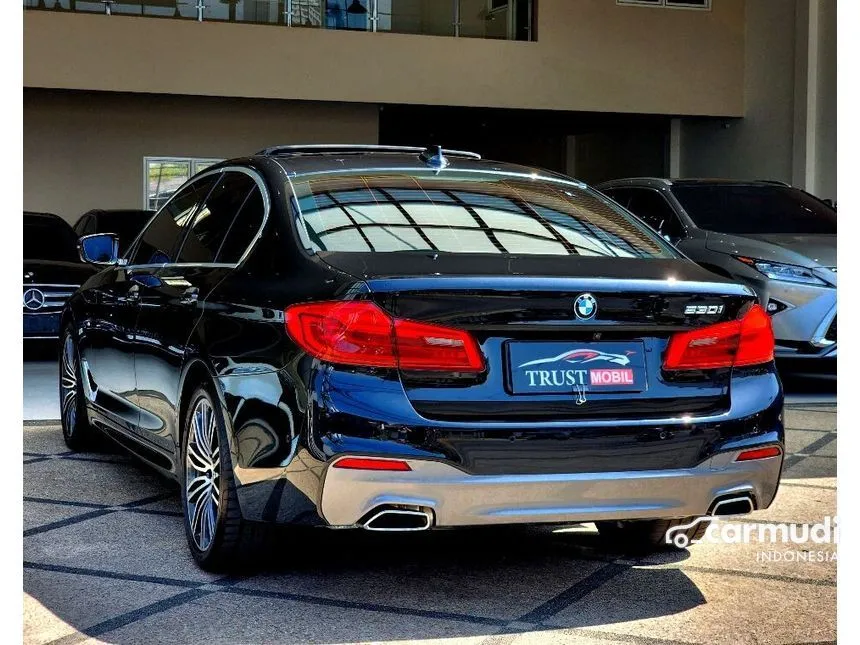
(360,333)
(748,341)
(370,463)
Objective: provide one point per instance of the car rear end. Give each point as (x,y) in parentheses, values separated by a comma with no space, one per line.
(517,350)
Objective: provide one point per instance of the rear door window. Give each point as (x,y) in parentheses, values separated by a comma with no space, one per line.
(244,229)
(215,217)
(162,238)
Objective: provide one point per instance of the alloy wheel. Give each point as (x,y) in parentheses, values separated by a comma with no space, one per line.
(69,386)
(202,475)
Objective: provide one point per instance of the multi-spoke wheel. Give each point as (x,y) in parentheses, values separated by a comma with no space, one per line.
(73,418)
(202,475)
(217,535)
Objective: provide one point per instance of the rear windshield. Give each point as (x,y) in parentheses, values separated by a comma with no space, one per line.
(46,238)
(751,210)
(466,212)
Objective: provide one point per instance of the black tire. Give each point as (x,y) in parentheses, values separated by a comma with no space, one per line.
(77,432)
(647,536)
(233,542)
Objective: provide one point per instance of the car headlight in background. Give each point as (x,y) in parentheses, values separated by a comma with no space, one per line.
(783,272)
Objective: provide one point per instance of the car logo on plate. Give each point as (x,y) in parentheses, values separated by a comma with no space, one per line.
(34,299)
(585,306)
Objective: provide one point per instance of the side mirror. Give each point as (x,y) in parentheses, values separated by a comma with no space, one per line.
(101,249)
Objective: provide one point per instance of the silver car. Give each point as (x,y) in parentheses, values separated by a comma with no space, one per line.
(779,240)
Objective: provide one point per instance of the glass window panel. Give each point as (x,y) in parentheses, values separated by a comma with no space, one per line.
(164,177)
(376,214)
(344,240)
(326,219)
(513,222)
(160,241)
(534,216)
(441,215)
(515,243)
(396,238)
(244,228)
(434,17)
(347,14)
(460,241)
(215,217)
(307,13)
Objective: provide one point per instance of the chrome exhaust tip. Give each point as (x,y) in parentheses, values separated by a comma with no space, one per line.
(396,519)
(733,506)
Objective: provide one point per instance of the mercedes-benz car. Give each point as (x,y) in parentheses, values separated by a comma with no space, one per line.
(52,273)
(404,339)
(779,240)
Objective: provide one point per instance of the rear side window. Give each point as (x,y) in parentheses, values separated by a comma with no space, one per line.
(161,239)
(244,229)
(215,218)
(470,212)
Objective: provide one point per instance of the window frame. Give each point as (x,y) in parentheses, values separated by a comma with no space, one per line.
(267,207)
(193,163)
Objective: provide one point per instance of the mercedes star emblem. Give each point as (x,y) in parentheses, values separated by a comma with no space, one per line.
(34,299)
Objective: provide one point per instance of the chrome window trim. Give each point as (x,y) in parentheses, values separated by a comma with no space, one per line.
(267,207)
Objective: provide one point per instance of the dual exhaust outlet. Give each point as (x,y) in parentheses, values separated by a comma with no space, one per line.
(420,519)
(398,519)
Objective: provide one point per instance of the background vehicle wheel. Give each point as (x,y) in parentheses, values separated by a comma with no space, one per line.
(642,536)
(77,432)
(217,535)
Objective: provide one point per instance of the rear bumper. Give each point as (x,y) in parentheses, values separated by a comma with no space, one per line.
(456,498)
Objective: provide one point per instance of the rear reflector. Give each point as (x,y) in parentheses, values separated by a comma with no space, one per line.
(748,341)
(360,333)
(367,463)
(759,453)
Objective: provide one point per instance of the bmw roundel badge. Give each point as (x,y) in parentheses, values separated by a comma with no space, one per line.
(585,306)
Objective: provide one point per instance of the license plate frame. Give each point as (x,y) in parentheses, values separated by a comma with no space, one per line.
(565,367)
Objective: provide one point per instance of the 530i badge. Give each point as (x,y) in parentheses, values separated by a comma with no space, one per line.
(384,338)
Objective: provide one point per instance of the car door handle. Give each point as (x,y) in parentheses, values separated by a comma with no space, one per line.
(189,296)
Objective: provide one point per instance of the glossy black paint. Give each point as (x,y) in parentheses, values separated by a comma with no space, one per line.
(145,343)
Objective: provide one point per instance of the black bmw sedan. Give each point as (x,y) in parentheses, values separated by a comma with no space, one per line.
(400,339)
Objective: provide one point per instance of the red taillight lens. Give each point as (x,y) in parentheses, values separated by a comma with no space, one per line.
(368,463)
(748,341)
(759,453)
(360,333)
(353,333)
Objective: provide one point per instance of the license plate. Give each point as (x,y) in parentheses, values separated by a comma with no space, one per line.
(565,367)
(41,324)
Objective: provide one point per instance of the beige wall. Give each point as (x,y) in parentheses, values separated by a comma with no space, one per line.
(85,150)
(759,145)
(789,130)
(591,55)
(824,180)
